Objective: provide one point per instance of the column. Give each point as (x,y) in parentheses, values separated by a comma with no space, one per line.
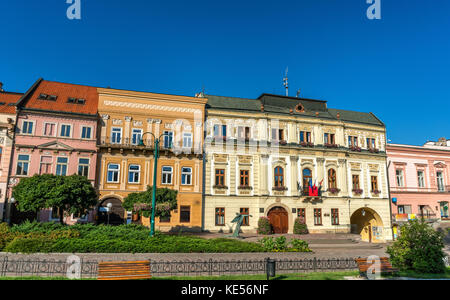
(342,179)
(294,175)
(264,175)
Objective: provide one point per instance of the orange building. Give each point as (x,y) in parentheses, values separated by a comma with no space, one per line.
(129,122)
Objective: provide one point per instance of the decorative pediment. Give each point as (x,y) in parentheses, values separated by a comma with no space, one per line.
(440,165)
(355,166)
(55,146)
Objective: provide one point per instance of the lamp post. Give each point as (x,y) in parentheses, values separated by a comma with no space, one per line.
(11,209)
(155,173)
(109,206)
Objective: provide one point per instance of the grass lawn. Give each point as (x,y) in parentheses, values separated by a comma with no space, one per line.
(413,274)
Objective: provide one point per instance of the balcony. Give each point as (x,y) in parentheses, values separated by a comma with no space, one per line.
(398,189)
(125,143)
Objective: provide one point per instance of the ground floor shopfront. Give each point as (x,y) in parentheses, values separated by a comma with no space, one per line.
(410,205)
(368,217)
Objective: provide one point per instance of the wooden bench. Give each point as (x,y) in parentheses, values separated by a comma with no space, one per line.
(126,270)
(385,266)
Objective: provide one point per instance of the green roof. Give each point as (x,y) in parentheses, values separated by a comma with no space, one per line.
(283,105)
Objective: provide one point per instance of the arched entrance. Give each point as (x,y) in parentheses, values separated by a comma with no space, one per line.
(278,217)
(367,223)
(115,216)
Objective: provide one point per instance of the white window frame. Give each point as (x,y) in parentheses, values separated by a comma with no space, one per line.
(421,179)
(169,137)
(57,163)
(40,164)
(55,129)
(189,174)
(114,170)
(187,136)
(32,129)
(91,135)
(132,135)
(70,131)
(88,166)
(166,172)
(134,172)
(401,176)
(112,134)
(23,161)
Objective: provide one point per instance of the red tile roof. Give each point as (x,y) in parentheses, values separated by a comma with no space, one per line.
(63,91)
(7,98)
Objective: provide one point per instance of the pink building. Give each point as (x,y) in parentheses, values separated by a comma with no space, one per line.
(56,133)
(419,178)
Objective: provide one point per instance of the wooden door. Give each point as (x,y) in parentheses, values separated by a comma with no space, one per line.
(278,217)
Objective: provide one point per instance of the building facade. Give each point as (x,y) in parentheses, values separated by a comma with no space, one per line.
(263,155)
(419,181)
(8,101)
(56,133)
(130,122)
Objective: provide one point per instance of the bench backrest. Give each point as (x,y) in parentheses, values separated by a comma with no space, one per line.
(127,270)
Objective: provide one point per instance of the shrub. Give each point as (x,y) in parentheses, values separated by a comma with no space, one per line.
(280,245)
(30,245)
(418,248)
(300,226)
(300,245)
(264,226)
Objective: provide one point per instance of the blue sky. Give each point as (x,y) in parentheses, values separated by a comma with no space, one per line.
(397,67)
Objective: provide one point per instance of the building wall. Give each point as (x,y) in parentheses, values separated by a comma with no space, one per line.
(261,158)
(6,141)
(153,113)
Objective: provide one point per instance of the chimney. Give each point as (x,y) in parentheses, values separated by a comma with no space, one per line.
(338,115)
(262,107)
(1,87)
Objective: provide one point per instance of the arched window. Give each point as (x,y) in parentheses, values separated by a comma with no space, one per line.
(332,184)
(307,178)
(279,177)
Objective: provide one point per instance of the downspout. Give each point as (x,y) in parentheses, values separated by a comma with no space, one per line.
(388,184)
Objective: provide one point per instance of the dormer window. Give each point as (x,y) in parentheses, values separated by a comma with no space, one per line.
(81,101)
(299,108)
(42,96)
(52,97)
(47,97)
(71,100)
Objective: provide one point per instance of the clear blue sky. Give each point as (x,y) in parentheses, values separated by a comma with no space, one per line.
(397,67)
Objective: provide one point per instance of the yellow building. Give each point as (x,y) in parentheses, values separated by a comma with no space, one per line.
(126,164)
(262,155)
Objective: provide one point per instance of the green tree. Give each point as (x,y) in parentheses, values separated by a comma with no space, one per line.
(69,194)
(166,201)
(418,248)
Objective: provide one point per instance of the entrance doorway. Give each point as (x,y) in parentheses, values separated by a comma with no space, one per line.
(115,216)
(367,223)
(278,217)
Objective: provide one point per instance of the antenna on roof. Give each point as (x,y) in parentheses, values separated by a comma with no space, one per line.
(286,82)
(201,94)
(298,93)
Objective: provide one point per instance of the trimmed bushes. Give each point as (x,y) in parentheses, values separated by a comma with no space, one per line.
(300,226)
(280,244)
(264,226)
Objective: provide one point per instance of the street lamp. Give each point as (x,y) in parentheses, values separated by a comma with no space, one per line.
(109,206)
(155,172)
(11,210)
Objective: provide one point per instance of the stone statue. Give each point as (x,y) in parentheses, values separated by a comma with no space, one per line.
(239,219)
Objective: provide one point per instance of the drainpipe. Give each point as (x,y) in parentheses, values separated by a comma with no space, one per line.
(388,185)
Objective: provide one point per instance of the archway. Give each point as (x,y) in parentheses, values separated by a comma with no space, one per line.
(115,216)
(367,223)
(278,218)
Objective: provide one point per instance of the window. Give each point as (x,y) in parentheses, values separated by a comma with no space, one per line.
(317,216)
(370,143)
(301,213)
(27,127)
(404,209)
(243,133)
(353,141)
(220,216)
(440,181)
(61,166)
(1,152)
(329,138)
(187,140)
(113,173)
(305,137)
(279,177)
(86,132)
(49,129)
(22,165)
(332,184)
(421,179)
(185,214)
(166,175)
(334,216)
(165,219)
(65,130)
(46,165)
(399,177)
(134,173)
(220,130)
(136,136)
(220,177)
(374,183)
(245,211)
(244,178)
(355,181)
(307,178)
(168,139)
(186,176)
(83,167)
(277,134)
(116,135)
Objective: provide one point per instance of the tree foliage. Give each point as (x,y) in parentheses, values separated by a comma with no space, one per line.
(166,201)
(419,248)
(69,194)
